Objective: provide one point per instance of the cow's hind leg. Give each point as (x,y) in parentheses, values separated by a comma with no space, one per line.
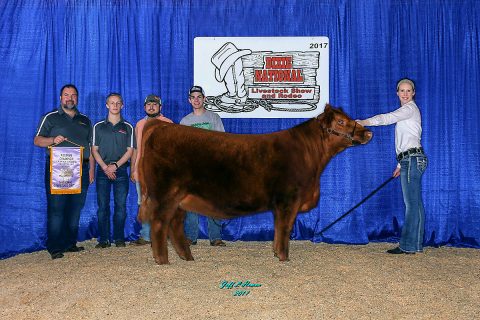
(177,235)
(284,220)
(159,224)
(158,235)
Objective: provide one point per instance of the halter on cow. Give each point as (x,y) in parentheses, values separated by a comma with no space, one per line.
(226,175)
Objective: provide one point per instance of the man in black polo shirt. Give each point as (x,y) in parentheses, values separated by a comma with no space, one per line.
(113,143)
(63,210)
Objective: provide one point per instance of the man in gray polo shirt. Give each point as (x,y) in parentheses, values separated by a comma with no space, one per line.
(63,127)
(113,144)
(205,119)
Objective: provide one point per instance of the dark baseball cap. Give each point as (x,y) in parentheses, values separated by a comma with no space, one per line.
(152,98)
(196,89)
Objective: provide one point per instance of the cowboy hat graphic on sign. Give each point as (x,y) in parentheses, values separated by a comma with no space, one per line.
(229,69)
(271,82)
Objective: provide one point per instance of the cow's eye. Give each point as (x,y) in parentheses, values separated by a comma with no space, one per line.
(341,122)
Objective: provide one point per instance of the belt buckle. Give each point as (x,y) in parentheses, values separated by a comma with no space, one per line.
(404,154)
(416,150)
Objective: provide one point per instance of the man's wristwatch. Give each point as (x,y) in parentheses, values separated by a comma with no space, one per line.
(115,164)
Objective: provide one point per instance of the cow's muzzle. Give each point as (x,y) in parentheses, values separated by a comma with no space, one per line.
(350,136)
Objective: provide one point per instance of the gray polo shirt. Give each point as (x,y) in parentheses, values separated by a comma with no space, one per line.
(77,129)
(113,140)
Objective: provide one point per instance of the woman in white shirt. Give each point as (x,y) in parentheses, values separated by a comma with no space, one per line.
(412,163)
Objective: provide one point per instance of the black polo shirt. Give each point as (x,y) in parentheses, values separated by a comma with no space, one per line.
(113,140)
(77,129)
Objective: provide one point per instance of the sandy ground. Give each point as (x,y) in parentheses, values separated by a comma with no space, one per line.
(321,281)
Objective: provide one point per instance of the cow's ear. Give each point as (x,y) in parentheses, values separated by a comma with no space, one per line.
(328,114)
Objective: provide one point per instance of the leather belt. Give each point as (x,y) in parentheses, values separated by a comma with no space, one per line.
(409,152)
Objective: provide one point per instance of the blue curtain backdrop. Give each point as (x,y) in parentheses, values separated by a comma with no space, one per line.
(138,47)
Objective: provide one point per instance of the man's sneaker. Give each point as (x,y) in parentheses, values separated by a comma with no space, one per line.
(57,255)
(139,242)
(75,249)
(119,244)
(218,243)
(191,243)
(103,245)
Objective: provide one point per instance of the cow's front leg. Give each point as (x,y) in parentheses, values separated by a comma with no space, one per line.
(281,237)
(284,220)
(158,235)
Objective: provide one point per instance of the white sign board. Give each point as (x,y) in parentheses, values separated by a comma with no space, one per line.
(263,77)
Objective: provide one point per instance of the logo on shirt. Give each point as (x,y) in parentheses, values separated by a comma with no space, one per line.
(122,131)
(203,125)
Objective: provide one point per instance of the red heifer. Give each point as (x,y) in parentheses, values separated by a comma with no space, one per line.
(226,175)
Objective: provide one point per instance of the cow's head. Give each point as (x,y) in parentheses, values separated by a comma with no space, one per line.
(338,123)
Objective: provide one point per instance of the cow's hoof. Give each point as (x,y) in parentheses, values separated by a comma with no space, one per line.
(190,258)
(161,261)
(283,258)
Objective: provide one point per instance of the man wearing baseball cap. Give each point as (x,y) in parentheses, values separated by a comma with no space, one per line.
(205,119)
(152,107)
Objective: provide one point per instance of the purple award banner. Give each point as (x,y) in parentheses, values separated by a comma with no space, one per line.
(66,170)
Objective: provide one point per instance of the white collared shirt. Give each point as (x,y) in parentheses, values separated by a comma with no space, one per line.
(408,128)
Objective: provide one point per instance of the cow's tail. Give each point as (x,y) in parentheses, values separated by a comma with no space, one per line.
(144,214)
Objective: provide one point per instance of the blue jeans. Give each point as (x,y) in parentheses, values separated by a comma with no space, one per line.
(191,227)
(145,231)
(411,172)
(120,192)
(63,214)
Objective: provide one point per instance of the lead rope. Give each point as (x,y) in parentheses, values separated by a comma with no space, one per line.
(357,205)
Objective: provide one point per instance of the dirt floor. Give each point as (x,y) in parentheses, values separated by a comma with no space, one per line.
(243,281)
